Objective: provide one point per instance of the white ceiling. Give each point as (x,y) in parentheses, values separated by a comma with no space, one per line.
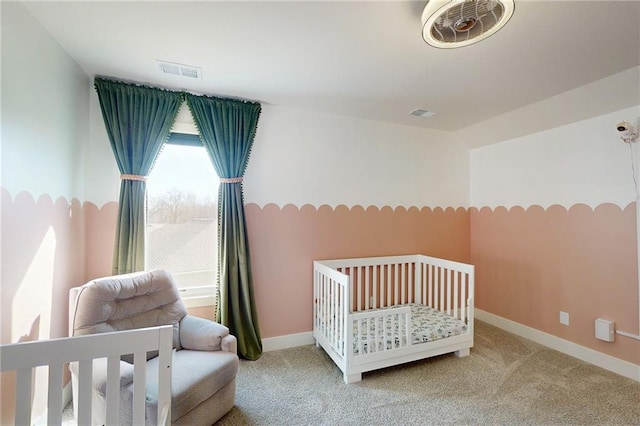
(360,59)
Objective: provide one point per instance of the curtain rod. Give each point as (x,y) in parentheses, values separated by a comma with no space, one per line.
(170,89)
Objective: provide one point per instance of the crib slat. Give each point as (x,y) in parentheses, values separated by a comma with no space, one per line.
(442,283)
(436,287)
(139,385)
(463,297)
(315,299)
(352,290)
(85,374)
(332,318)
(366,288)
(412,283)
(425,284)
(336,312)
(418,282)
(359,281)
(409,283)
(318,290)
(449,272)
(430,284)
(374,287)
(381,284)
(456,301)
(342,303)
(23,396)
(54,395)
(113,390)
(389,285)
(423,290)
(164,377)
(403,283)
(325,304)
(396,286)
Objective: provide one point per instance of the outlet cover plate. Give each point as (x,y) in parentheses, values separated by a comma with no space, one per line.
(564,318)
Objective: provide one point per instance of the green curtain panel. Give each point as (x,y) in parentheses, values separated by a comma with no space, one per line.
(227,128)
(138,120)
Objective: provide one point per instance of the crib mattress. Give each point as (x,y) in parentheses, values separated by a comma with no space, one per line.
(427,325)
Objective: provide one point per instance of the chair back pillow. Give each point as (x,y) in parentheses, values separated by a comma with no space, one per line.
(125,302)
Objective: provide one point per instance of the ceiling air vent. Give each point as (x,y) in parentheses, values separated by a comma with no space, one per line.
(180,69)
(422,113)
(456,23)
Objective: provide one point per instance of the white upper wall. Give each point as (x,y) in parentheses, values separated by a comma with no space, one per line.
(583,162)
(102,177)
(556,151)
(45,115)
(614,93)
(302,157)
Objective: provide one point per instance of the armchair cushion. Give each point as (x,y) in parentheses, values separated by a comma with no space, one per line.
(195,376)
(126,302)
(100,374)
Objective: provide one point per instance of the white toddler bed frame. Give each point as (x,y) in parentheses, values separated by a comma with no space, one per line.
(379,294)
(24,357)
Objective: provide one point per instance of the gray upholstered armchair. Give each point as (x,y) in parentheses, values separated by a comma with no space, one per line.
(205,363)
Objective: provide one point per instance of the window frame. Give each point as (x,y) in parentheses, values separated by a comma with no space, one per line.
(197,288)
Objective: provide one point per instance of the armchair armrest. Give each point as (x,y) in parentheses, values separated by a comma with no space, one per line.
(203,335)
(230,343)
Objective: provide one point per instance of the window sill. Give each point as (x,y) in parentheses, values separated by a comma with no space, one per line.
(196,296)
(198,301)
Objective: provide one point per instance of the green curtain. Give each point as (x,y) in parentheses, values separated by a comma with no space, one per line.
(227,128)
(138,120)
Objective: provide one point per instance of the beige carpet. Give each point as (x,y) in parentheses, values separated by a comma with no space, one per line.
(506,380)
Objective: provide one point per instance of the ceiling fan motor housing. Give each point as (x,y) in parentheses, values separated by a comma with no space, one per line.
(456,23)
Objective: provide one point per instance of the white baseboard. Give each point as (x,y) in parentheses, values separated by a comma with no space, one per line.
(288,341)
(608,362)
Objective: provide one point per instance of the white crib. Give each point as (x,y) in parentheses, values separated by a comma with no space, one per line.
(372,313)
(55,353)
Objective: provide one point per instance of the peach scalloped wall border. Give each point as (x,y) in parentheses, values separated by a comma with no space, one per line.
(533,263)
(530,262)
(284,241)
(553,207)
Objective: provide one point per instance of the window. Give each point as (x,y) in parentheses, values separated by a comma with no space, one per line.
(182,219)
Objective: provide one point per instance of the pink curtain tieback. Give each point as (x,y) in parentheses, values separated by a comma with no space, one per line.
(231,180)
(133,177)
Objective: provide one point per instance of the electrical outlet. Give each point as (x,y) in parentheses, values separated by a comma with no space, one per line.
(564,318)
(605,330)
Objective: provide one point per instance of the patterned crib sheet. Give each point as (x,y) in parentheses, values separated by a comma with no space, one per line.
(427,325)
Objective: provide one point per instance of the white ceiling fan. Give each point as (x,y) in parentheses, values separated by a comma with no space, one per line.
(456,23)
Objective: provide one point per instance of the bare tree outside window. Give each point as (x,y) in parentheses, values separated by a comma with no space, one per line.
(182,213)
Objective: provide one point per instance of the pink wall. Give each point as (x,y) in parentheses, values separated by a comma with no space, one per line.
(531,264)
(285,241)
(100,225)
(25,224)
(42,258)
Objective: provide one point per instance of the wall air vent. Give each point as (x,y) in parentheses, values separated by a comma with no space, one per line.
(180,69)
